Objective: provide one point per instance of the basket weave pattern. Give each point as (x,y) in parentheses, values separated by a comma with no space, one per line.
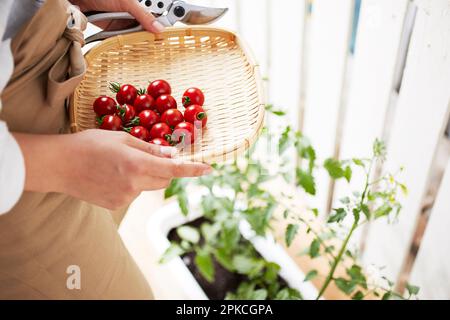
(212,59)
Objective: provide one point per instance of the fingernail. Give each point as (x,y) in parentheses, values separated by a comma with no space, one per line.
(169,151)
(157,26)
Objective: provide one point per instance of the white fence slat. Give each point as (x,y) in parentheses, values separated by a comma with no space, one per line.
(285,51)
(328,52)
(431,270)
(421,116)
(372,82)
(254,29)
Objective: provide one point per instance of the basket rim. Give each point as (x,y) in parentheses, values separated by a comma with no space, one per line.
(205,156)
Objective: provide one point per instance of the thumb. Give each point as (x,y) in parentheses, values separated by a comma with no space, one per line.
(144,17)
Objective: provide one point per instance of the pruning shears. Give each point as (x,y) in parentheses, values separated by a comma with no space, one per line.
(167,12)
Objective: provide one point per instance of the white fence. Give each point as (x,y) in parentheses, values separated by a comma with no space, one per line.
(396,86)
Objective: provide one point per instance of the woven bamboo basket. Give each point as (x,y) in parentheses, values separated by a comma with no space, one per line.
(215,60)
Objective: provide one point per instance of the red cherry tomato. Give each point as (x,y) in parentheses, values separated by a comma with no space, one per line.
(104,105)
(148,119)
(193,96)
(161,131)
(184,133)
(196,115)
(165,102)
(160,142)
(158,88)
(111,122)
(126,112)
(125,94)
(140,133)
(172,117)
(144,102)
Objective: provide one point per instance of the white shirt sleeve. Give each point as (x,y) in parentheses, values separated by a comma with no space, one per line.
(12,170)
(12,165)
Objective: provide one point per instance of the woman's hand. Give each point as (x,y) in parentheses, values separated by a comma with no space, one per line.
(144,17)
(108,169)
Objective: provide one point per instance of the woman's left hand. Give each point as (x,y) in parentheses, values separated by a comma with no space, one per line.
(144,17)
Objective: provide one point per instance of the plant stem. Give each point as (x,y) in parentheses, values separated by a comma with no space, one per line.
(347,239)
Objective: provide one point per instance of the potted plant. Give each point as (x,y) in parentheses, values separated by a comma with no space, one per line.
(224,235)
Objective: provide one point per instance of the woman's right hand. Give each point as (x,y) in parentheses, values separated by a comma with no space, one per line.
(105,168)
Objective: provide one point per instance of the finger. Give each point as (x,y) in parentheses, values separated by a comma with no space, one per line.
(144,17)
(159,151)
(154,183)
(174,168)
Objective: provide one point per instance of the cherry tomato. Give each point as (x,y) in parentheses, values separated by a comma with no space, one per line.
(160,142)
(161,131)
(105,105)
(111,122)
(193,96)
(140,133)
(125,94)
(126,112)
(184,132)
(158,88)
(148,119)
(196,115)
(172,117)
(165,102)
(144,102)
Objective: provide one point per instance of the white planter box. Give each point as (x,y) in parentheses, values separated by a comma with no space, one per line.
(183,284)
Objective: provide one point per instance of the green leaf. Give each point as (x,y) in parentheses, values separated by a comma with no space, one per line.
(210,231)
(311,275)
(271,272)
(224,259)
(230,235)
(205,265)
(359,163)
(279,113)
(358,296)
(247,265)
(366,211)
(291,232)
(189,234)
(260,294)
(288,294)
(336,170)
(285,141)
(306,181)
(314,248)
(173,251)
(176,186)
(412,290)
(383,211)
(387,296)
(183,203)
(356,274)
(345,286)
(339,215)
(285,214)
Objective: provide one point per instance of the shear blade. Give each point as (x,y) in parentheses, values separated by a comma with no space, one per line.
(203,15)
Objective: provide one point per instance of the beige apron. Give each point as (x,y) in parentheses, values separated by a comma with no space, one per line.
(45,235)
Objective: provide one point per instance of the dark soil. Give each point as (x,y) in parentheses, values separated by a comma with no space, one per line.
(224,281)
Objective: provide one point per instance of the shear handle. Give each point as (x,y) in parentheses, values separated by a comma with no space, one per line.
(103,16)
